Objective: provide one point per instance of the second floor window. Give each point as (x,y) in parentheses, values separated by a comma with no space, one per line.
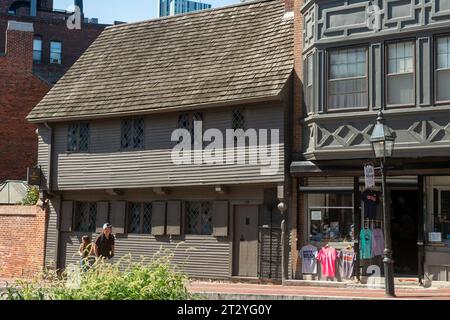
(443,70)
(347,83)
(85,216)
(37,50)
(78,137)
(400,74)
(56,52)
(133,132)
(309,81)
(187,120)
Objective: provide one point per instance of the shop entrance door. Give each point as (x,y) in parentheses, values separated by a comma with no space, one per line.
(404,228)
(245,257)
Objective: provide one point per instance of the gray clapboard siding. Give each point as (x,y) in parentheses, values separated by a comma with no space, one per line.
(43,152)
(106,166)
(51,242)
(197,256)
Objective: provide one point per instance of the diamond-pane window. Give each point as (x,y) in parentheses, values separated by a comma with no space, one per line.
(186,121)
(147,219)
(126,134)
(198,218)
(133,131)
(85,216)
(78,137)
(140,218)
(206,218)
(238,120)
(138,137)
(134,218)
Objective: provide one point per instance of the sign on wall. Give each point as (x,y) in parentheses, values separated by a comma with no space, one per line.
(369,175)
(34,176)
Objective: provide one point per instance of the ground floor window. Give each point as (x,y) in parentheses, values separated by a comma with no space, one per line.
(85,216)
(441,215)
(330,217)
(139,218)
(199,218)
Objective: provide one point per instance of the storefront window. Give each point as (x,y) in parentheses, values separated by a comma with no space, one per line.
(331,217)
(441,217)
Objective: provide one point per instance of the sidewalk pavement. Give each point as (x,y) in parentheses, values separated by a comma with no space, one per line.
(239,291)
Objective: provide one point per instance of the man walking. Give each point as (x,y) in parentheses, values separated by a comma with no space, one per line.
(104,244)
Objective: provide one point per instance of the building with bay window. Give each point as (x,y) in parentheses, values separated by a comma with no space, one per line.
(361,57)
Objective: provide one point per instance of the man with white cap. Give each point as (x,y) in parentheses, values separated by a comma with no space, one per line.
(104,244)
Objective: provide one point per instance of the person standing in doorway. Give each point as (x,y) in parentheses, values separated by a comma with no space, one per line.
(105,243)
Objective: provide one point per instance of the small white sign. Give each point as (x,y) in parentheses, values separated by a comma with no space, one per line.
(369,176)
(435,237)
(316,215)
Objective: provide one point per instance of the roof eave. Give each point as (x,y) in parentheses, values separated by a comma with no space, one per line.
(274,98)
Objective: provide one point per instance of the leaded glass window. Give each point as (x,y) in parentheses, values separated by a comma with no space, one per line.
(85,216)
(198,218)
(133,133)
(443,69)
(140,218)
(186,121)
(400,77)
(78,137)
(348,82)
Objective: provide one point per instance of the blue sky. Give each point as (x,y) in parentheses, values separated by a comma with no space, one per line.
(108,11)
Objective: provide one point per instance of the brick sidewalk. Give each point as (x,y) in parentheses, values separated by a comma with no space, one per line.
(257,291)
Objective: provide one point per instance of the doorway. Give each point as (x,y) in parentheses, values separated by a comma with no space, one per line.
(404,228)
(245,253)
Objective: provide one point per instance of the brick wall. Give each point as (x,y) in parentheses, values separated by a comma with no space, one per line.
(22,241)
(20,91)
(296,204)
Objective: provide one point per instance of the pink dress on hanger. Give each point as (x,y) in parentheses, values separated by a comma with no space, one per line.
(327,258)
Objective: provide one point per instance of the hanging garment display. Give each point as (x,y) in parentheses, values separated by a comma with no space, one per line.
(347,258)
(308,254)
(370,200)
(377,242)
(327,257)
(365,240)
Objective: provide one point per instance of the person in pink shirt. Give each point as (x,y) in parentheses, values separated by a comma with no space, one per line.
(327,257)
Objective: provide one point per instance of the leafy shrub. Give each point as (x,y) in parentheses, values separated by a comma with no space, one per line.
(124,280)
(31,197)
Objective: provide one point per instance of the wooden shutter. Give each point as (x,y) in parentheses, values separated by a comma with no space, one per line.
(220,219)
(174,218)
(118,212)
(102,215)
(158,218)
(67,216)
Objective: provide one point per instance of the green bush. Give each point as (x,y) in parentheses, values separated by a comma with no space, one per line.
(124,280)
(31,197)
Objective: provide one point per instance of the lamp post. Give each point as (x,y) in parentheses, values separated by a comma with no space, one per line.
(382,140)
(283,208)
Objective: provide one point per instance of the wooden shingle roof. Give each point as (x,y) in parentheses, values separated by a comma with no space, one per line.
(235,54)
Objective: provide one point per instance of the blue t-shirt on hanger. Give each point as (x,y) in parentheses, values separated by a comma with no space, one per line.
(365,244)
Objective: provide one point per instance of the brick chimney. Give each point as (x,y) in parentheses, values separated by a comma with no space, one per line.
(19,45)
(289,5)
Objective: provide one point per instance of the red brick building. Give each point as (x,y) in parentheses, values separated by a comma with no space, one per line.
(36,49)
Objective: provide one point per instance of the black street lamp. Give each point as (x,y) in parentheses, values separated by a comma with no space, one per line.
(382,140)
